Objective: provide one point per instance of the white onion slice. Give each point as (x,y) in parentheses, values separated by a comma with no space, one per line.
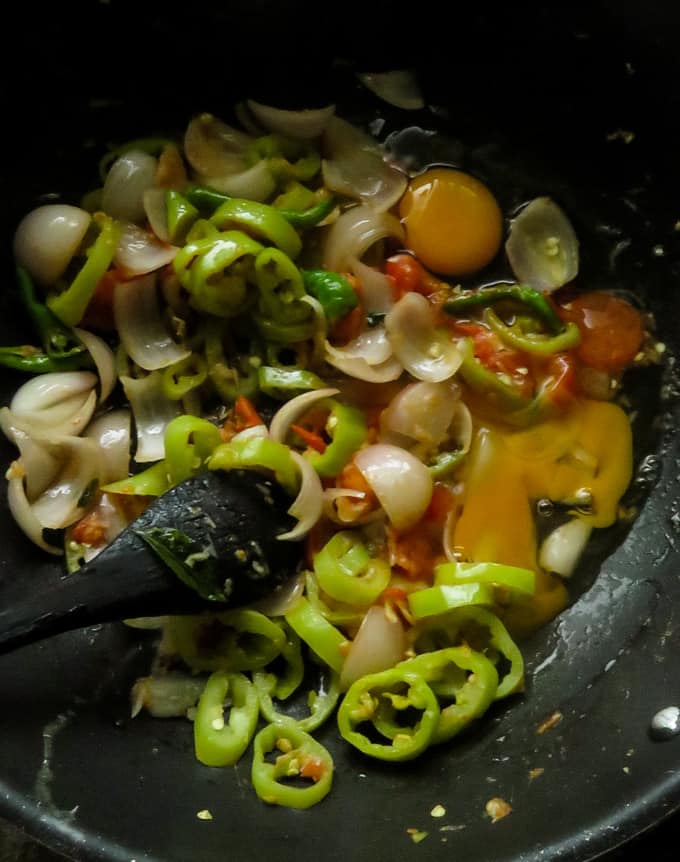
(156,211)
(256,183)
(356,366)
(305,124)
(112,433)
(292,410)
(354,232)
(140,325)
(139,252)
(104,360)
(421,412)
(320,330)
(397,87)
(371,345)
(562,549)
(542,246)
(152,411)
(212,147)
(57,403)
(308,505)
(127,180)
(254,431)
(22,512)
(39,461)
(59,504)
(48,237)
(49,390)
(376,288)
(283,599)
(343,506)
(379,644)
(355,166)
(400,481)
(426,352)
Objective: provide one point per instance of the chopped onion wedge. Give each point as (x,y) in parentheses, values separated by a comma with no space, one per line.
(308,505)
(379,644)
(58,403)
(542,246)
(157,212)
(304,124)
(214,148)
(354,232)
(376,288)
(61,503)
(152,411)
(47,238)
(127,180)
(292,410)
(398,87)
(256,183)
(139,251)
(357,366)
(562,549)
(111,431)
(355,166)
(140,326)
(426,352)
(21,510)
(400,481)
(421,413)
(104,360)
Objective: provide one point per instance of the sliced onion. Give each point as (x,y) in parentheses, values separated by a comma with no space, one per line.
(283,599)
(60,504)
(542,246)
(400,481)
(354,232)
(140,325)
(254,431)
(256,183)
(398,87)
(49,390)
(357,366)
(355,166)
(104,360)
(371,345)
(289,413)
(156,211)
(426,352)
(421,412)
(308,505)
(346,506)
(111,432)
(57,403)
(212,147)
(561,550)
(152,411)
(139,251)
(376,288)
(40,463)
(462,427)
(304,124)
(127,180)
(47,238)
(379,644)
(320,330)
(167,695)
(22,512)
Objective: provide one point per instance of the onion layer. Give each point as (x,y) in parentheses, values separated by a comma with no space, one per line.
(125,184)
(47,238)
(379,644)
(354,232)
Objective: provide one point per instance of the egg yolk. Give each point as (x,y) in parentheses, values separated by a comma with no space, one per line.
(453,223)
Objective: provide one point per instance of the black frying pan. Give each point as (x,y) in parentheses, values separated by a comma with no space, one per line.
(538,99)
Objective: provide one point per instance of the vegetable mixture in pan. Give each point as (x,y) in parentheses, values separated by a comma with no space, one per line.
(281,295)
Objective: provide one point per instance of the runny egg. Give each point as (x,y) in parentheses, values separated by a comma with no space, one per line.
(453,222)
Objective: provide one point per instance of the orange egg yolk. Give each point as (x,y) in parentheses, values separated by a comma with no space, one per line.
(453,223)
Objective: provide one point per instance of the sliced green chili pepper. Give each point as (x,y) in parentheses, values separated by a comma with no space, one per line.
(152,145)
(34,361)
(487,296)
(281,288)
(258,452)
(233,641)
(205,199)
(215,270)
(152,482)
(69,305)
(184,376)
(538,345)
(512,578)
(283,684)
(347,429)
(284,333)
(285,383)
(444,463)
(333,290)
(320,636)
(301,755)
(181,214)
(229,378)
(473,693)
(262,221)
(220,743)
(486,382)
(321,703)
(376,699)
(437,600)
(285,157)
(347,572)
(339,614)
(189,443)
(311,216)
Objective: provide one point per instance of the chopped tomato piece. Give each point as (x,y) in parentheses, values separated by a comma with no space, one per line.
(99,311)
(408,275)
(312,767)
(310,438)
(441,503)
(90,530)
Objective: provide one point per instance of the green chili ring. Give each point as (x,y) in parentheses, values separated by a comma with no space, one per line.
(537,345)
(487,296)
(347,573)
(299,750)
(365,700)
(220,743)
(321,703)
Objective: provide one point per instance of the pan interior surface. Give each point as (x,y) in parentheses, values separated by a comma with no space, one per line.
(540,101)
